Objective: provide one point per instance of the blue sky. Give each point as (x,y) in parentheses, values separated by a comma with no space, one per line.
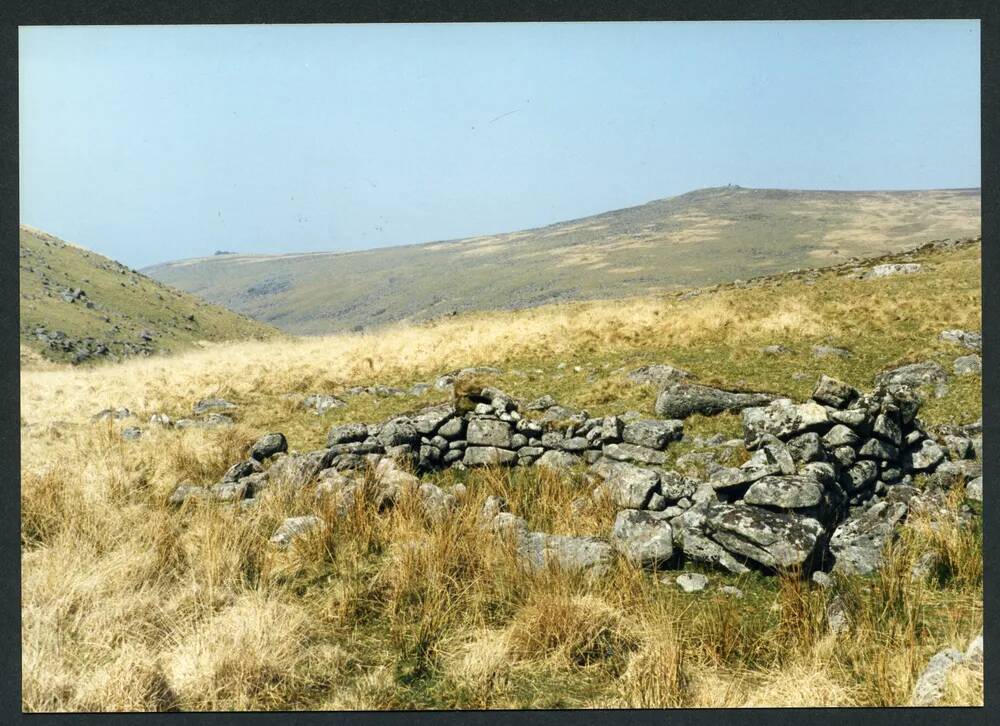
(155,143)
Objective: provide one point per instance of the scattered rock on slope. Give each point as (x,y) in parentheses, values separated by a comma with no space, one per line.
(966,338)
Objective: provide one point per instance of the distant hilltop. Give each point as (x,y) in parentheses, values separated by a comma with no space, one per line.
(703,237)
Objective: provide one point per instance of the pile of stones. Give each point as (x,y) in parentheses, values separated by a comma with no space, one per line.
(825,484)
(485,427)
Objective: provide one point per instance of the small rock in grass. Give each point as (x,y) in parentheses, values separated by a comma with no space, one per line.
(692,582)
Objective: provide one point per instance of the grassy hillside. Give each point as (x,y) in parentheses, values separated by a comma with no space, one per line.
(129,604)
(117,313)
(700,238)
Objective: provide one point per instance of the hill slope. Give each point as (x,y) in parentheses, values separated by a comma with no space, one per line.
(79,306)
(703,237)
(160,608)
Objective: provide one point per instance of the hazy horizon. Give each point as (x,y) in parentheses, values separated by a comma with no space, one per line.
(149,144)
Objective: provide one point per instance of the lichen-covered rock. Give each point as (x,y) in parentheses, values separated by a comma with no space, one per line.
(630,486)
(296,470)
(295,528)
(658,375)
(968,365)
(774,540)
(186,492)
(840,435)
(268,445)
(859,475)
(633,453)
(914,375)
(857,544)
(966,338)
(488,456)
(691,582)
(539,550)
(559,460)
(782,419)
(398,432)
(208,405)
(785,492)
(682,399)
(644,538)
(241,469)
(831,392)
(923,457)
(689,534)
(974,489)
(930,685)
(674,486)
(896,268)
(430,419)
(652,433)
(346,433)
(727,478)
(320,403)
(487,432)
(436,502)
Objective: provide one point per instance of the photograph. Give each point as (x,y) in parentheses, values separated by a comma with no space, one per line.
(491,366)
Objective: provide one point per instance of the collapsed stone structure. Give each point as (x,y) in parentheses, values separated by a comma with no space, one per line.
(825,484)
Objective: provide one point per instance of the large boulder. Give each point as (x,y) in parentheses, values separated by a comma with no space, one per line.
(857,544)
(774,540)
(644,538)
(680,400)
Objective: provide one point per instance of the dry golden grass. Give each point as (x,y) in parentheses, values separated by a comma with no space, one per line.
(129,604)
